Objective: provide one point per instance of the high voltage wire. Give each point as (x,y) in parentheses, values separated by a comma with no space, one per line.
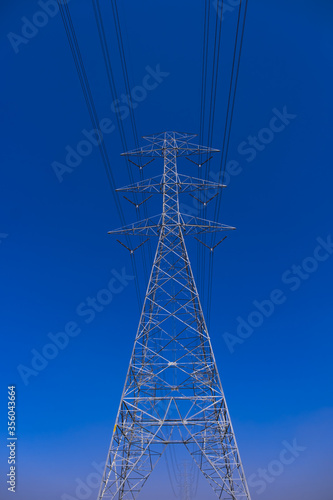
(227,128)
(113,89)
(80,68)
(209,125)
(200,250)
(204,70)
(232,92)
(128,91)
(110,74)
(127,85)
(70,31)
(213,92)
(216,59)
(214,79)
(124,65)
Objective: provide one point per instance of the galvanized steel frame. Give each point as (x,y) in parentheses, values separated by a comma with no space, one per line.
(172,393)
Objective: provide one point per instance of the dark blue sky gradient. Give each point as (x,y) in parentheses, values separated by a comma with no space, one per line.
(56,252)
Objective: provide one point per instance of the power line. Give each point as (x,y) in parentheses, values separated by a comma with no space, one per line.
(81,71)
(201,255)
(127,86)
(200,251)
(228,125)
(213,93)
(113,90)
(124,66)
(216,59)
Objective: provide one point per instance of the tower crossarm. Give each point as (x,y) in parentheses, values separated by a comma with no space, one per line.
(150,226)
(184,183)
(177,141)
(195,225)
(188,224)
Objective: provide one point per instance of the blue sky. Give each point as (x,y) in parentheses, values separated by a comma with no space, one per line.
(55,251)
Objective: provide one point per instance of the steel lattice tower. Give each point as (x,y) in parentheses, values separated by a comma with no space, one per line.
(172,393)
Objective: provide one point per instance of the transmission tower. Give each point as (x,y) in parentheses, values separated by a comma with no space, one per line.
(173,393)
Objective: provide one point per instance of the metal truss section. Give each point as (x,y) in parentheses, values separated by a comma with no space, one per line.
(185,184)
(187,223)
(180,141)
(173,393)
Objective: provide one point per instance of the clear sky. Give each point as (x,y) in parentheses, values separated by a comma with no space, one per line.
(271,316)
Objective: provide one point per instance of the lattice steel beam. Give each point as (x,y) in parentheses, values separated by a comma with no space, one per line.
(172,393)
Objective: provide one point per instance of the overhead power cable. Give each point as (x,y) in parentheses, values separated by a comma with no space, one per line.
(128,90)
(114,97)
(209,125)
(205,52)
(229,119)
(211,118)
(231,100)
(81,71)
